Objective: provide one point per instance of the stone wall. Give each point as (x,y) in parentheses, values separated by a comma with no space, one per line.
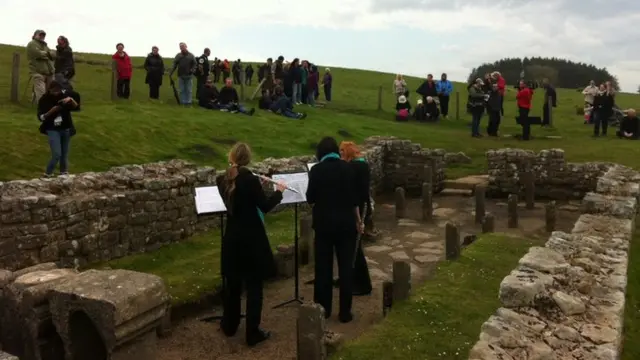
(555,178)
(91,217)
(566,300)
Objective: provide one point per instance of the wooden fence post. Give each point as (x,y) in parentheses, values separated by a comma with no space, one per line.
(457,105)
(380,98)
(15,77)
(114,80)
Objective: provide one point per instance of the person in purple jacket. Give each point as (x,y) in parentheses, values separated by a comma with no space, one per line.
(312,85)
(327,81)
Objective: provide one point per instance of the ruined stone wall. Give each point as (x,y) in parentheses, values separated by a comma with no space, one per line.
(92,217)
(566,300)
(555,178)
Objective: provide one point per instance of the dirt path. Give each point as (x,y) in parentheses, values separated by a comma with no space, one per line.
(409,239)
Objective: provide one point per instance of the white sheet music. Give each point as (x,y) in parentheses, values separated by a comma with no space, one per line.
(310,165)
(208,200)
(298,181)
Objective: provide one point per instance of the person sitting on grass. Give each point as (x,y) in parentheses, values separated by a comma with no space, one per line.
(419,113)
(284,106)
(630,126)
(431,110)
(265,100)
(54,113)
(209,96)
(403,109)
(229,100)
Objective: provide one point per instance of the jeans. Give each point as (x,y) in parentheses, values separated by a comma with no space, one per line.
(523,114)
(235,107)
(311,100)
(185,84)
(291,114)
(476,116)
(327,92)
(297,93)
(59,144)
(123,89)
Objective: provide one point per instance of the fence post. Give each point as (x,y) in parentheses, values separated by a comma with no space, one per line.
(550,107)
(457,105)
(114,80)
(380,98)
(15,77)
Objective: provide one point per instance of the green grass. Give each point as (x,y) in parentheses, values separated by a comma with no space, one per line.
(442,318)
(140,131)
(191,269)
(632,309)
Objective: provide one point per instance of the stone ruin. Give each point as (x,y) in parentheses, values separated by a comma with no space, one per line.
(566,300)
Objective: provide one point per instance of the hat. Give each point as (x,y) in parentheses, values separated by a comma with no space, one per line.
(402,99)
(38,32)
(327,70)
(419,101)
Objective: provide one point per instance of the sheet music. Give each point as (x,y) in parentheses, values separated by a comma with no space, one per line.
(298,181)
(310,165)
(208,200)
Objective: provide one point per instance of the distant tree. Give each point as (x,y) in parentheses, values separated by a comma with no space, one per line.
(561,73)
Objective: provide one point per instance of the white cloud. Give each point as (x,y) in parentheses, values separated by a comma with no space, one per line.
(596,31)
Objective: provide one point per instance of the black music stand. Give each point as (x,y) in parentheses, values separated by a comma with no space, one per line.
(296,271)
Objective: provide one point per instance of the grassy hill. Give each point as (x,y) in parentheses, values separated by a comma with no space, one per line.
(140,130)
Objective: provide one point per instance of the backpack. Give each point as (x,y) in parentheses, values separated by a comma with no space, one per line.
(402,114)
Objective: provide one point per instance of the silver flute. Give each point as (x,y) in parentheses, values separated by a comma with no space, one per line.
(275,182)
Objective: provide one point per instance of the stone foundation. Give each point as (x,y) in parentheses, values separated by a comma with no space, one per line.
(566,300)
(87,218)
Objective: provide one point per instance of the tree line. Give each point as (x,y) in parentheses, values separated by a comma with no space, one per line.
(561,73)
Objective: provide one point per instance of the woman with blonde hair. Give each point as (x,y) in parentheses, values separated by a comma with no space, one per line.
(400,86)
(350,153)
(246,256)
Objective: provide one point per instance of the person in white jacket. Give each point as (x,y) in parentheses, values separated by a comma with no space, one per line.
(589,95)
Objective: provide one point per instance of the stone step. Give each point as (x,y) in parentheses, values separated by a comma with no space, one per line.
(467,182)
(456,192)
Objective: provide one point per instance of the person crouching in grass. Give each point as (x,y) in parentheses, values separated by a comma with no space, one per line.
(54,113)
(630,126)
(230,101)
(283,105)
(403,109)
(208,96)
(431,110)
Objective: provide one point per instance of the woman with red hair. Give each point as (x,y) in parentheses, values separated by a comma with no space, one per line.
(350,153)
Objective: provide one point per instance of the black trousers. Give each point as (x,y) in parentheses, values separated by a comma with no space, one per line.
(343,242)
(494,122)
(247,79)
(123,89)
(232,303)
(601,119)
(154,91)
(444,104)
(200,80)
(523,114)
(545,115)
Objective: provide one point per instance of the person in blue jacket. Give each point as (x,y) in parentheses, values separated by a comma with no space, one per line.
(444,88)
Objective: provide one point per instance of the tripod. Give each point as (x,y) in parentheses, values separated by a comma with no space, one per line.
(296,293)
(215,318)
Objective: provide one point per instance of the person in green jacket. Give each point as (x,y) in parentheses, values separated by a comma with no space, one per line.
(41,67)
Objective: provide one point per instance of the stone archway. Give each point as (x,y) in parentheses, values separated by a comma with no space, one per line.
(85,340)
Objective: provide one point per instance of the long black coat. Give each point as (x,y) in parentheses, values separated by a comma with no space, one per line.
(246,251)
(154,65)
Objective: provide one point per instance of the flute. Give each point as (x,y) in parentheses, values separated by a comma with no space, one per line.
(275,182)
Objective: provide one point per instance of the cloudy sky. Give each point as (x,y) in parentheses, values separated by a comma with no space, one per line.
(407,36)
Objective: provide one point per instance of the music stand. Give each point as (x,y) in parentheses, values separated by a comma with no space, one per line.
(298,181)
(209,201)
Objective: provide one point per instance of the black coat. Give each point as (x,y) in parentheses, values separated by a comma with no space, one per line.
(362,180)
(154,65)
(47,102)
(333,194)
(246,250)
(64,63)
(427,89)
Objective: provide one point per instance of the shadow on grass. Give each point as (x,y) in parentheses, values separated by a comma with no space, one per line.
(443,317)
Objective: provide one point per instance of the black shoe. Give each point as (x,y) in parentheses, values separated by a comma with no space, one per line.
(303,115)
(252,111)
(345,318)
(227,331)
(257,336)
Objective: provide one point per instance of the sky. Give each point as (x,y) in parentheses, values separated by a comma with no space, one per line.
(412,37)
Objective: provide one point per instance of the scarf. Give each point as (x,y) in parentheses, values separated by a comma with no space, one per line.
(330,156)
(360,159)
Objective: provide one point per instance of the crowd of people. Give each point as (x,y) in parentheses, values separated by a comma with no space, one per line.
(431,95)
(338,190)
(599,104)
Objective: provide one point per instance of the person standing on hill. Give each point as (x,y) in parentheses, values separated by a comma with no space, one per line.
(226,70)
(502,85)
(202,71)
(65,67)
(523,99)
(248,75)
(603,106)
(589,93)
(124,69)
(304,69)
(428,88)
(550,100)
(237,70)
(54,112)
(216,70)
(296,75)
(400,86)
(186,64)
(494,106)
(444,88)
(476,106)
(327,83)
(41,66)
(154,66)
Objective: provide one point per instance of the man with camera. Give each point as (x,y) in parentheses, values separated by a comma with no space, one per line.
(41,66)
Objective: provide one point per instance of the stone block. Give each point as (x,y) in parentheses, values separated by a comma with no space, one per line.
(616,206)
(110,314)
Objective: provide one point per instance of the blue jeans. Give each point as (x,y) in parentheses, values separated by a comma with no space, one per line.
(476,116)
(290,114)
(59,144)
(185,84)
(311,100)
(233,107)
(296,95)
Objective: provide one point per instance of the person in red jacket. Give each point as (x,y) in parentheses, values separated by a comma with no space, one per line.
(124,68)
(502,83)
(523,98)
